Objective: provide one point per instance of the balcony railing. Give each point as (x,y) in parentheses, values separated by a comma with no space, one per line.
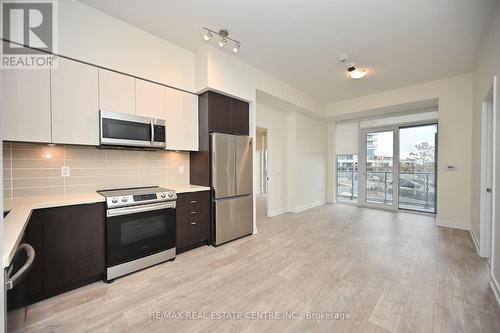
(417,190)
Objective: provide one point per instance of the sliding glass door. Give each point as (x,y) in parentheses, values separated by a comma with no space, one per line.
(379,180)
(397,168)
(417,168)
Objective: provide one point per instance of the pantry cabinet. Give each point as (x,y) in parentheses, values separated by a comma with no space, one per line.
(75,111)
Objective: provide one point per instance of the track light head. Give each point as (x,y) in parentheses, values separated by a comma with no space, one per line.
(236,47)
(223,42)
(208,36)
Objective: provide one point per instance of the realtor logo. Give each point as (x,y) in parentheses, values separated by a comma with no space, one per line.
(29,33)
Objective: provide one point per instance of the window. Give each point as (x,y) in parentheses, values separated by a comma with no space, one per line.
(347,178)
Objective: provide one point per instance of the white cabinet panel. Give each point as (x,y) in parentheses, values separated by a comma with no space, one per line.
(75,109)
(26,105)
(116,92)
(149,99)
(181,114)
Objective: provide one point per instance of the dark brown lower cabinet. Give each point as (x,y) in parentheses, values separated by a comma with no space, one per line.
(193,220)
(73,245)
(69,252)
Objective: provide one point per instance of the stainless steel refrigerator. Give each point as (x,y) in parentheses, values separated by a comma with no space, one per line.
(232,185)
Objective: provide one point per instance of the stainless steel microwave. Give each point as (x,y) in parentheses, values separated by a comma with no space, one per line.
(128,130)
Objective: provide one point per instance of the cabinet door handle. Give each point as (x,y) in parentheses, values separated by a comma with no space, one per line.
(193,223)
(193,213)
(193,201)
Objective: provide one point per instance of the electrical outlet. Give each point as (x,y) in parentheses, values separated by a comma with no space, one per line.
(65,171)
(181,169)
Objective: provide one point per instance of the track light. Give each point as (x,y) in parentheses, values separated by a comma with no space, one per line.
(223,42)
(236,47)
(208,36)
(224,35)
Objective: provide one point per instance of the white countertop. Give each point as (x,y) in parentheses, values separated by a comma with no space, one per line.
(186,188)
(21,208)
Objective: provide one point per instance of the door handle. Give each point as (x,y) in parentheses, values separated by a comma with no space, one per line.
(489,190)
(193,223)
(192,201)
(30,253)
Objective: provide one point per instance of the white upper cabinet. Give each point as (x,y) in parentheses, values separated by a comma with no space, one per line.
(75,108)
(26,105)
(116,92)
(149,99)
(181,114)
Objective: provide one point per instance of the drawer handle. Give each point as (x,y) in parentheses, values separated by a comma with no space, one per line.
(193,223)
(193,201)
(193,213)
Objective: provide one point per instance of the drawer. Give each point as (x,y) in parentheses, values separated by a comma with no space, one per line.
(198,201)
(192,230)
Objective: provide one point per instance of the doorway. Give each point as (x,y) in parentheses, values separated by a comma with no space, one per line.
(262,168)
(398,168)
(487,172)
(377,162)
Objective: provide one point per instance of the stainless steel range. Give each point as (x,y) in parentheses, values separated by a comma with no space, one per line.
(140,229)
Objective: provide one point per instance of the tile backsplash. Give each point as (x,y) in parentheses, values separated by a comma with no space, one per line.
(35,169)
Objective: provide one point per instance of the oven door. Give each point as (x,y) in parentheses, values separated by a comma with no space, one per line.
(136,232)
(121,129)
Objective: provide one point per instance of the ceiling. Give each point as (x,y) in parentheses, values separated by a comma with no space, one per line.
(298,41)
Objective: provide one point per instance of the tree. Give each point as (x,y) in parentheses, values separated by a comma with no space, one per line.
(424,155)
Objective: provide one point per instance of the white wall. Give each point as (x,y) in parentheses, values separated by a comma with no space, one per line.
(454,138)
(275,121)
(297,148)
(90,35)
(311,159)
(223,72)
(488,65)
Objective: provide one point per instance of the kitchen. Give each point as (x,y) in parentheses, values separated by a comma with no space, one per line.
(138,197)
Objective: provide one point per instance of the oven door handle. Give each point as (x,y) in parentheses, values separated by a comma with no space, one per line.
(139,209)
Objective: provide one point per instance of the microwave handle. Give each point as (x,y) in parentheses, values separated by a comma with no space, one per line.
(152,132)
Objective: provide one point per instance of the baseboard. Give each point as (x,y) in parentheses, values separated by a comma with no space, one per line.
(451,224)
(496,289)
(475,241)
(277,212)
(308,206)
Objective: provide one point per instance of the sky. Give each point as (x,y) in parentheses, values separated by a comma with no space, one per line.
(409,137)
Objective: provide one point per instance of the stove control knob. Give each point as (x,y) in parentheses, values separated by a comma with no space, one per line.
(170,194)
(124,199)
(114,200)
(163,195)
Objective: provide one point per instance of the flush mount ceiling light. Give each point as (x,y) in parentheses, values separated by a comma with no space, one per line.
(356,73)
(224,35)
(352,70)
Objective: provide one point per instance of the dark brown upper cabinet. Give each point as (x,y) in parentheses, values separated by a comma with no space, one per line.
(239,117)
(217,113)
(226,114)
